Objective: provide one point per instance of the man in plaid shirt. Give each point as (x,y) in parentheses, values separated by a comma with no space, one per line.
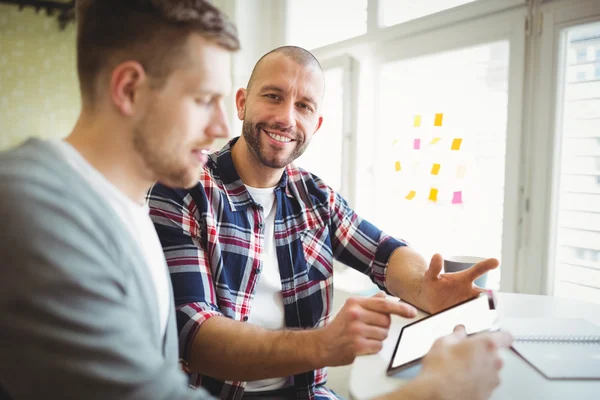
(251,247)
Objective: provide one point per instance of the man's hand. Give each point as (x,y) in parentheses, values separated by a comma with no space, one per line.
(360,328)
(440,291)
(466,368)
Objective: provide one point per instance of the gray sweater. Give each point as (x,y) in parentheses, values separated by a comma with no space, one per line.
(77,306)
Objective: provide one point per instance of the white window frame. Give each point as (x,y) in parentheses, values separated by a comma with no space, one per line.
(535,274)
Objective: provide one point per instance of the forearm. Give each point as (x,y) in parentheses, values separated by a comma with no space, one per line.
(421,388)
(405,276)
(236,351)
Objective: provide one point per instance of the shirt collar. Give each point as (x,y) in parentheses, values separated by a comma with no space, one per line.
(222,165)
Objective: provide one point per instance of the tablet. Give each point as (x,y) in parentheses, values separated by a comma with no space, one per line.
(477,315)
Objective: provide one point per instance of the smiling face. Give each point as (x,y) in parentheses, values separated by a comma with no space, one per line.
(280,109)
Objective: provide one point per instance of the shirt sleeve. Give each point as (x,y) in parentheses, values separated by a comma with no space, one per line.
(67,330)
(176,217)
(356,242)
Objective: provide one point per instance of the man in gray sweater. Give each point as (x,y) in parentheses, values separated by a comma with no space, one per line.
(86,308)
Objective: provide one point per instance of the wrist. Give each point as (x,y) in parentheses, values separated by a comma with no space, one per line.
(319,349)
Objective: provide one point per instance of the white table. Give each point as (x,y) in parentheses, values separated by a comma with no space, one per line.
(519,379)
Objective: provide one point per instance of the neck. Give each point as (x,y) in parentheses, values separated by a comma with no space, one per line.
(250,169)
(109,149)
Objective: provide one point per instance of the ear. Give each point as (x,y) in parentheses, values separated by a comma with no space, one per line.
(126,82)
(319,123)
(240,103)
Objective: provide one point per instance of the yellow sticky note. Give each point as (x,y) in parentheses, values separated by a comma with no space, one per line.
(411,195)
(461,170)
(417,120)
(394,142)
(438,119)
(398,166)
(435,140)
(433,194)
(435,169)
(456,144)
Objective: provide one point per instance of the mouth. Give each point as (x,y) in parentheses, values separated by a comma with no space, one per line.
(278,138)
(201,155)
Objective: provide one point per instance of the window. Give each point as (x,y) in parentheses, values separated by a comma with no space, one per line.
(597,66)
(598,53)
(316,23)
(442,156)
(580,76)
(392,12)
(576,262)
(581,54)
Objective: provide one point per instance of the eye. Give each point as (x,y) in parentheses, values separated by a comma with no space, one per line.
(305,106)
(272,96)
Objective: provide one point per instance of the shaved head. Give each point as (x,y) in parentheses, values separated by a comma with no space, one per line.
(297,54)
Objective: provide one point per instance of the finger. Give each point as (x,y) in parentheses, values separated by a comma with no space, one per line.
(495,340)
(369,347)
(374,318)
(385,306)
(459,329)
(380,294)
(479,269)
(435,266)
(373,333)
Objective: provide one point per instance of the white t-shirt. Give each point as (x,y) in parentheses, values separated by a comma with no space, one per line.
(137,220)
(267,306)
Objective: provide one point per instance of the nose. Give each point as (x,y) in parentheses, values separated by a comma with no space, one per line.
(218,127)
(286,115)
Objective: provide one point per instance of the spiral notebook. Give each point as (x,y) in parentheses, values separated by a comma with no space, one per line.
(566,348)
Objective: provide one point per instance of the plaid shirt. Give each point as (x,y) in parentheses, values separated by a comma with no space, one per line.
(212,239)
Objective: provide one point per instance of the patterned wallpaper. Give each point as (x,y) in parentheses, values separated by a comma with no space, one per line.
(39,93)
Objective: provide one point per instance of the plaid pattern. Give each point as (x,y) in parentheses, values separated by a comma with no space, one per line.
(211,235)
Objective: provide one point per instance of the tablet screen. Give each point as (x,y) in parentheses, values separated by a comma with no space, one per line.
(416,339)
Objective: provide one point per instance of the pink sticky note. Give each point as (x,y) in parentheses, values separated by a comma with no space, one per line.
(457,198)
(417,144)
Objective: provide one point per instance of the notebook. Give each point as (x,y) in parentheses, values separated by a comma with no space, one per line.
(566,348)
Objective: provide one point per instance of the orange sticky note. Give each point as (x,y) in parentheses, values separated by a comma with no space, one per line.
(435,140)
(457,198)
(411,195)
(417,121)
(398,166)
(456,144)
(435,169)
(433,194)
(461,170)
(438,119)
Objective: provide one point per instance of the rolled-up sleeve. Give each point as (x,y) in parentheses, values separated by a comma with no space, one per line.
(176,218)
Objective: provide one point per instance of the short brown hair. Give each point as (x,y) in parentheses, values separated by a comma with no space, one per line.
(152,32)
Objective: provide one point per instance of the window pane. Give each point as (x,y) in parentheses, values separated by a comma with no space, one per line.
(392,12)
(316,23)
(324,154)
(441,173)
(577,260)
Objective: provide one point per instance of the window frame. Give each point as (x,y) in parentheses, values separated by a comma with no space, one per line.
(536,273)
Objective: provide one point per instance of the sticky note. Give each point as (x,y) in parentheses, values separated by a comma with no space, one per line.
(438,119)
(411,195)
(435,169)
(417,121)
(398,166)
(461,170)
(457,198)
(417,144)
(456,144)
(433,194)
(435,140)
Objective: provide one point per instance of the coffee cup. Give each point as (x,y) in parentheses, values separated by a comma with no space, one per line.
(460,263)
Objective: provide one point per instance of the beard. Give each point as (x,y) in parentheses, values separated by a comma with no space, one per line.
(253,136)
(160,159)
